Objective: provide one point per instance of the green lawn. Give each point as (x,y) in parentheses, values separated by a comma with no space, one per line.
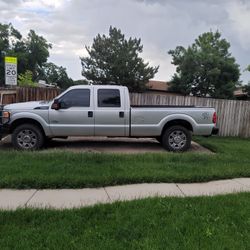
(221,222)
(74,170)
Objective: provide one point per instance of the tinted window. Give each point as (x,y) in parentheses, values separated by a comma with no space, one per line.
(109,98)
(76,98)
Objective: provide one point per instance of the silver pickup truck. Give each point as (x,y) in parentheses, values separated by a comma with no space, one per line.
(103,110)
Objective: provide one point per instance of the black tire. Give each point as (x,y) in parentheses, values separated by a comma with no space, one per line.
(47,141)
(27,137)
(176,139)
(159,139)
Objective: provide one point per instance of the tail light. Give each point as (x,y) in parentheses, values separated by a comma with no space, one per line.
(214,118)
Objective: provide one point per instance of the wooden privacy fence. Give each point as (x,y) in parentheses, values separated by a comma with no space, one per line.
(36,94)
(233,116)
(27,94)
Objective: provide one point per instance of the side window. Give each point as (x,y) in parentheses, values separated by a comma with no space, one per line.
(75,98)
(109,98)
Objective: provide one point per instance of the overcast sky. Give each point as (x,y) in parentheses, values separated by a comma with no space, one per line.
(161,24)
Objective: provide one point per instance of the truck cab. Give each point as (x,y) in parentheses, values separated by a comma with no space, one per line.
(91,111)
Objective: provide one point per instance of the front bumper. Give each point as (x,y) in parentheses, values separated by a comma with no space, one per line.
(215,131)
(4,128)
(1,132)
(1,125)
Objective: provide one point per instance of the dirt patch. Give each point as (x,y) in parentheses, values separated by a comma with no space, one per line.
(106,144)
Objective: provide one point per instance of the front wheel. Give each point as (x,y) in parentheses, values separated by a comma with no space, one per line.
(27,137)
(176,139)
(159,139)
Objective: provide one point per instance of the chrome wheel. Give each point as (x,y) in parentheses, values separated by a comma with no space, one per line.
(177,139)
(27,139)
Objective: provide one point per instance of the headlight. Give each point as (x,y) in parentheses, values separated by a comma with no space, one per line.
(5,116)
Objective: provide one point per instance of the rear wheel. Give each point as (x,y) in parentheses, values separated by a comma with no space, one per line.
(27,137)
(176,139)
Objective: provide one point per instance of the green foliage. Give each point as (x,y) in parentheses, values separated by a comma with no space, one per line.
(55,74)
(206,68)
(246,88)
(25,80)
(190,223)
(38,51)
(64,169)
(248,68)
(81,82)
(32,53)
(113,59)
(10,44)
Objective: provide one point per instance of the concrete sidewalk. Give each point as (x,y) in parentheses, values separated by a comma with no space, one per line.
(68,198)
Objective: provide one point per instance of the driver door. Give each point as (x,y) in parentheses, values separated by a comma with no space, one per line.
(75,115)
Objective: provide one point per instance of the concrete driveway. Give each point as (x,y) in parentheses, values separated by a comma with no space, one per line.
(106,144)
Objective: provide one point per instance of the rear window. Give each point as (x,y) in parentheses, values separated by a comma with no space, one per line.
(109,98)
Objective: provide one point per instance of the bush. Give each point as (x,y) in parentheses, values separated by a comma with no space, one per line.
(25,80)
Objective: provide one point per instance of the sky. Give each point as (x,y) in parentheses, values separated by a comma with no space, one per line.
(70,25)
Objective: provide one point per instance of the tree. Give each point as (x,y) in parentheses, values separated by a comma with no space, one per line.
(25,80)
(81,82)
(32,53)
(206,68)
(37,51)
(11,45)
(55,74)
(246,88)
(113,59)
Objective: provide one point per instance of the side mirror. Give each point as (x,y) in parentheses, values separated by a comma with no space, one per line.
(56,105)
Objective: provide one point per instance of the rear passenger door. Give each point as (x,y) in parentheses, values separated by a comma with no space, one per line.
(109,111)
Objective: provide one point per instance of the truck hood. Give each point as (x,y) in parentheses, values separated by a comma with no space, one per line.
(28,105)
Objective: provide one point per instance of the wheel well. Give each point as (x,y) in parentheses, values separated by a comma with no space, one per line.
(177,122)
(21,121)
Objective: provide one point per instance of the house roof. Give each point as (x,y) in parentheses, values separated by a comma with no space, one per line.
(239,92)
(157,85)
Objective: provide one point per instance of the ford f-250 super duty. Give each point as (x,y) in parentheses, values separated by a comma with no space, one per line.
(103,110)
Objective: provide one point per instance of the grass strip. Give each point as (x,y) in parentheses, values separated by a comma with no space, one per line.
(220,222)
(78,170)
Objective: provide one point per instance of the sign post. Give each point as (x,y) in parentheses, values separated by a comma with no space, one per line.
(11,71)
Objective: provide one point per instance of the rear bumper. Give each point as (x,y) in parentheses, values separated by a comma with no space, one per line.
(215,131)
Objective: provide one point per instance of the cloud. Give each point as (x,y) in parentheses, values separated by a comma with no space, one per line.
(161,24)
(239,15)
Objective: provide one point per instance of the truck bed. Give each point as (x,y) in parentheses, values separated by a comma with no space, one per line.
(150,119)
(162,106)
(167,106)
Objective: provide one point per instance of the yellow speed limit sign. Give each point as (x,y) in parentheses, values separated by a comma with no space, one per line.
(10,70)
